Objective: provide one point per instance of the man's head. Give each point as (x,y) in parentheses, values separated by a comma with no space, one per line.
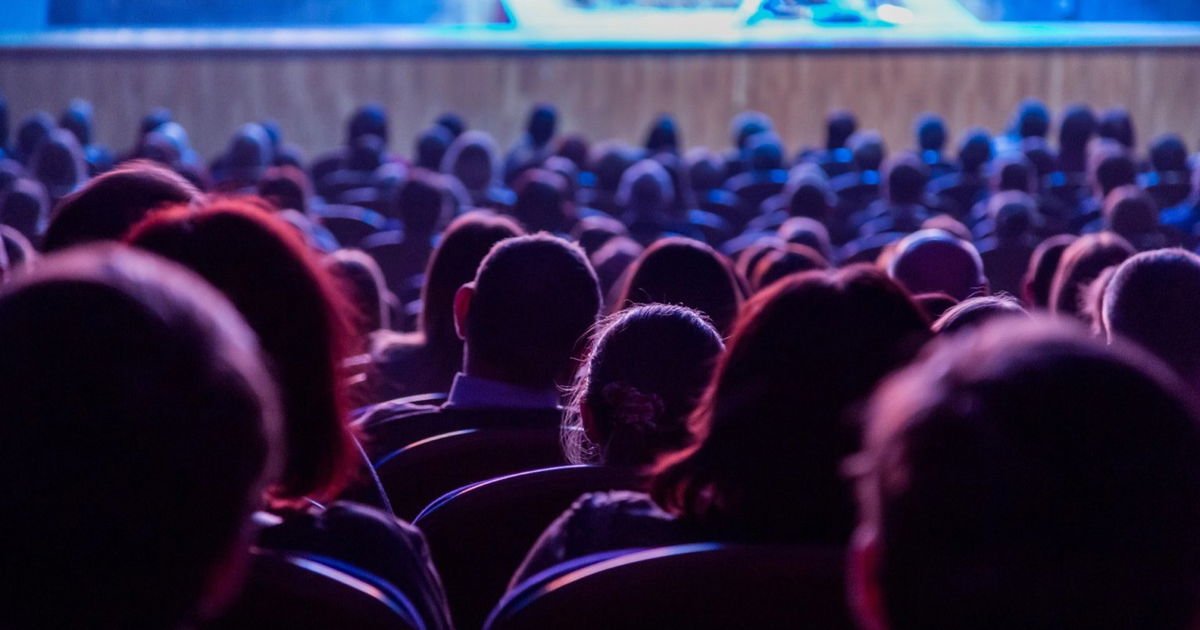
(533,300)
(1154,299)
(932,261)
(1026,476)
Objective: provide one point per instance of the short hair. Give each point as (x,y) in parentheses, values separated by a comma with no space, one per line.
(286,187)
(764,152)
(1014,172)
(1154,299)
(592,232)
(646,368)
(31,133)
(59,164)
(362,283)
(367,120)
(138,428)
(1076,129)
(777,418)
(839,126)
(25,207)
(807,231)
(682,271)
(1081,263)
(973,312)
(975,151)
(1043,265)
(1013,214)
(663,135)
(535,299)
(934,260)
(109,205)
(261,264)
(905,179)
(930,132)
(541,201)
(543,121)
(421,204)
(1130,212)
(780,263)
(1028,477)
(1033,119)
(452,122)
(746,125)
(1169,153)
(645,188)
(1109,168)
(431,147)
(867,150)
(1116,124)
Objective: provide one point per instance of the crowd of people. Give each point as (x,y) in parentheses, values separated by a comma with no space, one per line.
(973,370)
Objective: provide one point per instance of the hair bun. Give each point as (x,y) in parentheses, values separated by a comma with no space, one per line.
(632,407)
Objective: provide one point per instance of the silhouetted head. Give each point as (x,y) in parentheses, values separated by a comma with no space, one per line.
(249,154)
(645,190)
(1075,131)
(943,222)
(779,415)
(421,205)
(706,170)
(525,317)
(432,145)
(1032,119)
(575,147)
(138,426)
(840,125)
(1041,157)
(453,123)
(807,231)
(1131,213)
(905,179)
(26,207)
(592,232)
(809,194)
(644,374)
(609,163)
(764,152)
(59,164)
(778,264)
(454,263)
(472,159)
(107,206)
(154,119)
(1013,172)
(541,204)
(1154,299)
(1110,168)
(932,260)
(975,151)
(543,121)
(292,303)
(687,273)
(931,133)
(368,120)
(868,150)
(971,313)
(1013,214)
(1081,263)
(1168,154)
(989,497)
(1117,125)
(77,118)
(286,188)
(663,136)
(361,282)
(31,133)
(1043,265)
(747,125)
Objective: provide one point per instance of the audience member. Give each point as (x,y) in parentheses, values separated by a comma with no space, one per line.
(971,313)
(1081,263)
(936,261)
(686,273)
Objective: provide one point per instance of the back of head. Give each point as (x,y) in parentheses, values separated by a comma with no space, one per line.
(421,204)
(362,283)
(541,201)
(1117,125)
(25,207)
(1154,299)
(988,483)
(781,263)
(807,231)
(1110,168)
(543,121)
(705,169)
(286,187)
(975,151)
(747,124)
(454,263)
(839,126)
(1169,154)
(77,119)
(1081,263)
(932,260)
(58,163)
(808,193)
(1076,129)
(646,370)
(1033,119)
(906,178)
(1014,172)
(31,133)
(453,123)
(765,152)
(974,312)
(663,136)
(778,418)
(931,133)
(1013,215)
(125,378)
(687,273)
(645,189)
(432,145)
(1042,158)
(472,159)
(1043,266)
(868,150)
(1131,213)
(292,303)
(368,120)
(609,162)
(107,206)
(574,147)
(535,298)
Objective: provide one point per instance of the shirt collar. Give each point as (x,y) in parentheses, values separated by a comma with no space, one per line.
(475,392)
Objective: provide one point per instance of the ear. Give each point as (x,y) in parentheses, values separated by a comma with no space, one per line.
(589,423)
(862,573)
(462,305)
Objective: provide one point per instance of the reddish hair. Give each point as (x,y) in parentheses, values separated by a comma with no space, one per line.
(302,321)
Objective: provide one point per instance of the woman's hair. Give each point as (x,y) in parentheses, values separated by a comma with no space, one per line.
(361,281)
(644,373)
(293,304)
(973,312)
(1039,276)
(1081,263)
(780,413)
(689,273)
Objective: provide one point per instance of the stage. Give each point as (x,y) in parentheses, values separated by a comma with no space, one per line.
(609,74)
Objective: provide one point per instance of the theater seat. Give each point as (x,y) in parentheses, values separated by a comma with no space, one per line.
(479,534)
(690,586)
(299,591)
(350,224)
(418,473)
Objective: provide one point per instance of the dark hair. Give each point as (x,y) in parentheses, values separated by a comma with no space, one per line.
(363,286)
(1130,212)
(1081,263)
(645,371)
(975,151)
(453,123)
(77,119)
(905,179)
(839,126)
(286,187)
(1154,299)
(541,201)
(1013,214)
(1074,132)
(107,206)
(292,302)
(780,263)
(1033,119)
(778,417)
(1169,153)
(1110,168)
(25,207)
(807,231)
(1043,265)
(746,125)
(368,120)
(59,164)
(421,204)
(535,299)
(574,147)
(31,133)
(931,132)
(432,145)
(1027,477)
(688,273)
(973,312)
(867,150)
(935,260)
(1117,125)
(663,136)
(1014,172)
(138,422)
(543,120)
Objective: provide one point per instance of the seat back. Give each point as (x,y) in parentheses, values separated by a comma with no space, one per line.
(476,563)
(350,224)
(690,586)
(418,473)
(300,591)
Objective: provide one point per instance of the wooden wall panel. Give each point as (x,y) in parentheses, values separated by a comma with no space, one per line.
(616,95)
